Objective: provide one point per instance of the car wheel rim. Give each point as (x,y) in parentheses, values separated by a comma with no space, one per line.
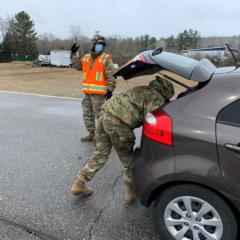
(190,218)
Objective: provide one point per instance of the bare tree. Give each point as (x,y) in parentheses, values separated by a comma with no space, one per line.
(45,42)
(4,25)
(76,33)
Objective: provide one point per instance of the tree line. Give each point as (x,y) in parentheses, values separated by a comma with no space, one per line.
(20,37)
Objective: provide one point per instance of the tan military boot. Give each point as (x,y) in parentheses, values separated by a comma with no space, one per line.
(79,188)
(129,193)
(89,138)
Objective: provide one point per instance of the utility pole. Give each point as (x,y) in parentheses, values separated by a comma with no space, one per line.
(115,42)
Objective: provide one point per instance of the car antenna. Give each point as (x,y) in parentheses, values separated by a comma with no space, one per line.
(237,63)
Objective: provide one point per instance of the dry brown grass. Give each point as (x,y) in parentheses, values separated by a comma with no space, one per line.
(22,77)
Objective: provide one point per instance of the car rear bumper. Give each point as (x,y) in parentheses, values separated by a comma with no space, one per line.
(154,166)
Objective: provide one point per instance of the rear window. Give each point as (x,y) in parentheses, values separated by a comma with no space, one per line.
(178,61)
(231,114)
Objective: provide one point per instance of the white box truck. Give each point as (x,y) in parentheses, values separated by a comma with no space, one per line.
(60,58)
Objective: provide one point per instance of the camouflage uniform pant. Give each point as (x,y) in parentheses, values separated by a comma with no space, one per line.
(91,108)
(110,132)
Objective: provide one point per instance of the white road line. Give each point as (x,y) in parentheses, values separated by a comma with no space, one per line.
(40,95)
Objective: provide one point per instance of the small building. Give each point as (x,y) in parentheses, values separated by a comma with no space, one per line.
(60,58)
(220,52)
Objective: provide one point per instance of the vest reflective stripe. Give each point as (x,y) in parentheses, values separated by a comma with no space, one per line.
(86,57)
(95,87)
(88,88)
(83,75)
(102,59)
(99,76)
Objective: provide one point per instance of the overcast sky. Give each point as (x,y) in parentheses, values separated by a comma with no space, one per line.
(130,18)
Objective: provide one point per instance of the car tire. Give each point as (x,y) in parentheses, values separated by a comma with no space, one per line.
(179,196)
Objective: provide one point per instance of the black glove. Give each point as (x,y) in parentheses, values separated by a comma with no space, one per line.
(108,95)
(74,48)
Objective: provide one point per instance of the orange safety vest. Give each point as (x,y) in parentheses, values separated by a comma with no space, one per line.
(94,80)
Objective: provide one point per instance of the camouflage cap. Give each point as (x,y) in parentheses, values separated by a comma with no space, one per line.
(163,87)
(98,39)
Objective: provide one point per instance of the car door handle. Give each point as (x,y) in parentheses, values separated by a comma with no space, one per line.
(232,147)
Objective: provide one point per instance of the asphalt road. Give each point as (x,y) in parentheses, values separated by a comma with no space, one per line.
(40,155)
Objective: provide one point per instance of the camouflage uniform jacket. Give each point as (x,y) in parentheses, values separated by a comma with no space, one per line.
(108,69)
(132,106)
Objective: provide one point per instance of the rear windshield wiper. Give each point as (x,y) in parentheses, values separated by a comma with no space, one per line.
(237,63)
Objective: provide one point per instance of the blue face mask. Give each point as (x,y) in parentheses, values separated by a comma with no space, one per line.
(99,47)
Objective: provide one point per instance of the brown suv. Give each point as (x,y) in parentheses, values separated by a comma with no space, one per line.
(188,163)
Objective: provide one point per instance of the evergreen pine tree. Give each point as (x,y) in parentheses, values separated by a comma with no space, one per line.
(25,34)
(21,36)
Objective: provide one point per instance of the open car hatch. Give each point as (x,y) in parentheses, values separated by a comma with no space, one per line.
(153,61)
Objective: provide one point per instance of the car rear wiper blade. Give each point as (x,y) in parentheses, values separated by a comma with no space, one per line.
(237,63)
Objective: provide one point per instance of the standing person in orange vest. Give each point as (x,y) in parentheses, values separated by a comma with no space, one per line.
(98,82)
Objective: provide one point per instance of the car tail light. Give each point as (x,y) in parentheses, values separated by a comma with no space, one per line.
(139,57)
(158,126)
(142,58)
